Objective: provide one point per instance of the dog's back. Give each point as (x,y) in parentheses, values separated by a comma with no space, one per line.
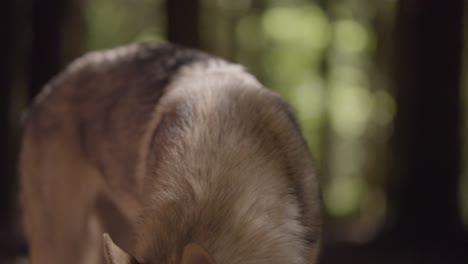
(163,147)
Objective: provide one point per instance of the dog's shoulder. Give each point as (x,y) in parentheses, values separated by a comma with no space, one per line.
(101,81)
(131,63)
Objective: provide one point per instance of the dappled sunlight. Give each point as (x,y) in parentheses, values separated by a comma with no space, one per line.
(349,109)
(322,66)
(345,194)
(350,36)
(306,26)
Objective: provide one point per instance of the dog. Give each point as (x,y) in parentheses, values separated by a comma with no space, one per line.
(179,156)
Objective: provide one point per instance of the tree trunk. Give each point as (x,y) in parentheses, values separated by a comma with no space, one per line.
(427,124)
(182,22)
(6,72)
(58,31)
(11,242)
(45,61)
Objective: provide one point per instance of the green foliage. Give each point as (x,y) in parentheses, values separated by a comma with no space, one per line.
(305,27)
(321,65)
(116,22)
(350,36)
(290,41)
(350,109)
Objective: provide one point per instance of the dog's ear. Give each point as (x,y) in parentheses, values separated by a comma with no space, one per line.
(114,254)
(195,254)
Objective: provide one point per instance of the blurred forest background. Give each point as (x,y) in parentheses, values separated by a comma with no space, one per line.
(380,87)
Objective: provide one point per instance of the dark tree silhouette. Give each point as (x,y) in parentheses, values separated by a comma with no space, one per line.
(182,22)
(427,154)
(47,28)
(11,243)
(428,125)
(6,45)
(57,38)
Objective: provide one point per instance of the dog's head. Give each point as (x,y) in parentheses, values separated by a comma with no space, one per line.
(192,254)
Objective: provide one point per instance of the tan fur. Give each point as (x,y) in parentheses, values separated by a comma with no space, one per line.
(194,254)
(113,253)
(211,159)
